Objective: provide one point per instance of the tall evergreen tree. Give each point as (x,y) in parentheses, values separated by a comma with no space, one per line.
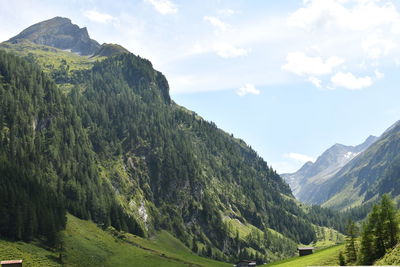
(380,232)
(351,249)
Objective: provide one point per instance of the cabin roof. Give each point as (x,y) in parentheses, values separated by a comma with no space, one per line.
(11,262)
(305,248)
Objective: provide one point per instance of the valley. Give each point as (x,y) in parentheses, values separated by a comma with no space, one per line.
(100,167)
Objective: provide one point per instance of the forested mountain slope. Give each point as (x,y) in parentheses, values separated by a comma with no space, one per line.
(103,140)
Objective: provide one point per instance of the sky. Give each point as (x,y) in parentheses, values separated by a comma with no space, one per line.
(290,78)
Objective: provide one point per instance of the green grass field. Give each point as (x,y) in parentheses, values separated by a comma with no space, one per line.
(88,245)
(328,256)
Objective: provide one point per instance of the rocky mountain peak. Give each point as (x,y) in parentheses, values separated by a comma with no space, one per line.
(61,33)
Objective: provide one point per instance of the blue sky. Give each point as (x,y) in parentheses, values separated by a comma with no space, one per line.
(291,78)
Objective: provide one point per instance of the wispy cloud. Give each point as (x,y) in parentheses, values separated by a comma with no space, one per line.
(301,64)
(301,158)
(349,81)
(164,7)
(247,89)
(98,17)
(227,11)
(216,22)
(229,51)
(355,15)
(346,33)
(376,47)
(317,82)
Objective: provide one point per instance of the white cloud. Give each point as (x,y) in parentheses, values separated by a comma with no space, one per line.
(378,74)
(376,47)
(346,14)
(229,51)
(227,11)
(350,81)
(301,158)
(247,89)
(217,23)
(223,50)
(317,82)
(98,17)
(301,64)
(164,7)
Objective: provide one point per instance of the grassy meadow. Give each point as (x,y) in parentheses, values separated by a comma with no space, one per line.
(328,257)
(88,245)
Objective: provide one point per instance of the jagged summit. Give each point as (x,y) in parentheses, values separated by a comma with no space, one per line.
(59,32)
(309,177)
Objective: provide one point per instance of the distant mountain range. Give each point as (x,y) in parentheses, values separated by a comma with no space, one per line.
(348,176)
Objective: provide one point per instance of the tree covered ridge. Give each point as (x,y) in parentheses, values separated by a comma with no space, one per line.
(115,149)
(43,141)
(378,236)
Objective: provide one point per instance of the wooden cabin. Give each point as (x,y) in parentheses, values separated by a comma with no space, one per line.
(11,263)
(305,251)
(245,263)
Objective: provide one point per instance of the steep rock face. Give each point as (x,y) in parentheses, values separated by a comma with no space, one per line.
(60,33)
(306,183)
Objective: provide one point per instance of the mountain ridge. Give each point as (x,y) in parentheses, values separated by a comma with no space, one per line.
(306,179)
(59,32)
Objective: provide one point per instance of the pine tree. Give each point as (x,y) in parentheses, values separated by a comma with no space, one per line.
(389,222)
(351,249)
(342,261)
(380,232)
(366,252)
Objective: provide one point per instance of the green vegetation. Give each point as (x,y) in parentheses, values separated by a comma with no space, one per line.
(380,233)
(328,256)
(326,237)
(108,50)
(85,244)
(47,164)
(392,257)
(50,58)
(351,243)
(115,149)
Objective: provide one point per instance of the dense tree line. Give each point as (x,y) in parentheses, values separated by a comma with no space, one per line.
(127,109)
(42,139)
(190,174)
(379,234)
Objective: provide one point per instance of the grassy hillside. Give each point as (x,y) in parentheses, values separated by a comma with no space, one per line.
(391,258)
(88,245)
(328,256)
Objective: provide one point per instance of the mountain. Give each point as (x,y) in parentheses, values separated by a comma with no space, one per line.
(306,183)
(107,50)
(368,176)
(60,33)
(101,138)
